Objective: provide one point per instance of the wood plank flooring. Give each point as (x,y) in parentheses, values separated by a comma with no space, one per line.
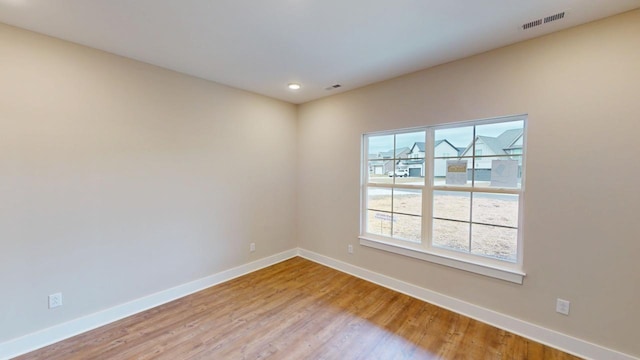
(297,309)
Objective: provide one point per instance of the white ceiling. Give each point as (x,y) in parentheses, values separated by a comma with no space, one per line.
(262,45)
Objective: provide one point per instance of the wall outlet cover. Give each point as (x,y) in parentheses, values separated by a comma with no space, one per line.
(562,306)
(55,300)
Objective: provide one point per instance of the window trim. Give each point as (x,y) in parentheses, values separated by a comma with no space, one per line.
(495,271)
(495,268)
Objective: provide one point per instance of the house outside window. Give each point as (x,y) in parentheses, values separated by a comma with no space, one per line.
(457,202)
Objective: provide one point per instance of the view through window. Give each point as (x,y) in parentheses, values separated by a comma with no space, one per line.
(454,188)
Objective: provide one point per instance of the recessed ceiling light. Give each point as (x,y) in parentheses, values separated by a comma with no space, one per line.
(294,86)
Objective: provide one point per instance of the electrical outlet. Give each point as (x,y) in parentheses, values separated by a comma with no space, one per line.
(350,249)
(252,247)
(562,306)
(55,300)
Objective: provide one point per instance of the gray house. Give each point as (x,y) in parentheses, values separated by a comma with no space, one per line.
(508,143)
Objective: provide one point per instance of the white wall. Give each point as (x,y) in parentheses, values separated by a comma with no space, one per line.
(119,179)
(580,88)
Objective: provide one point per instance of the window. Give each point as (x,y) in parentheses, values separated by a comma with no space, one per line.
(459,205)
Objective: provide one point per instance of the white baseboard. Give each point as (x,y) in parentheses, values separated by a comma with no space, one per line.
(42,338)
(528,330)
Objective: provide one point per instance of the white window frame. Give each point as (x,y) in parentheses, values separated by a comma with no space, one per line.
(505,270)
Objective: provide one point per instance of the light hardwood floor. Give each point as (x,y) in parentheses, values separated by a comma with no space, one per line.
(297,309)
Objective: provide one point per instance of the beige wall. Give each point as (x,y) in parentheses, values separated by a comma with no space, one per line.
(120,179)
(581,89)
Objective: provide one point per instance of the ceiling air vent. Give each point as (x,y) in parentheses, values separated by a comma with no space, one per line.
(548,19)
(531,24)
(334,86)
(555,17)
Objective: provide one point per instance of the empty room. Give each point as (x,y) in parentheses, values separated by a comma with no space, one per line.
(305,179)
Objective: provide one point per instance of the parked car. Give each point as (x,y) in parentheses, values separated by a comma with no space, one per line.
(399,173)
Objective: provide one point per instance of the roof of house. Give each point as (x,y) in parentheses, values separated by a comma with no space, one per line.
(438,142)
(499,144)
(420,145)
(508,137)
(389,153)
(493,143)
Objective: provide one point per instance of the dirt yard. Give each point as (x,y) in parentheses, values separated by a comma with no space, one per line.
(488,210)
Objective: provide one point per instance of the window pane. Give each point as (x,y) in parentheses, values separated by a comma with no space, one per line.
(379,223)
(410,171)
(498,172)
(506,172)
(482,172)
(452,205)
(410,145)
(452,142)
(377,171)
(451,235)
(505,132)
(400,173)
(439,171)
(379,199)
(407,201)
(407,227)
(499,139)
(494,242)
(457,170)
(452,172)
(495,209)
(380,147)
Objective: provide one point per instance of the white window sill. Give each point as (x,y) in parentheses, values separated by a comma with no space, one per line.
(506,274)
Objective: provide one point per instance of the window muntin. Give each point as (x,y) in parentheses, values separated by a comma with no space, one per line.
(471,200)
